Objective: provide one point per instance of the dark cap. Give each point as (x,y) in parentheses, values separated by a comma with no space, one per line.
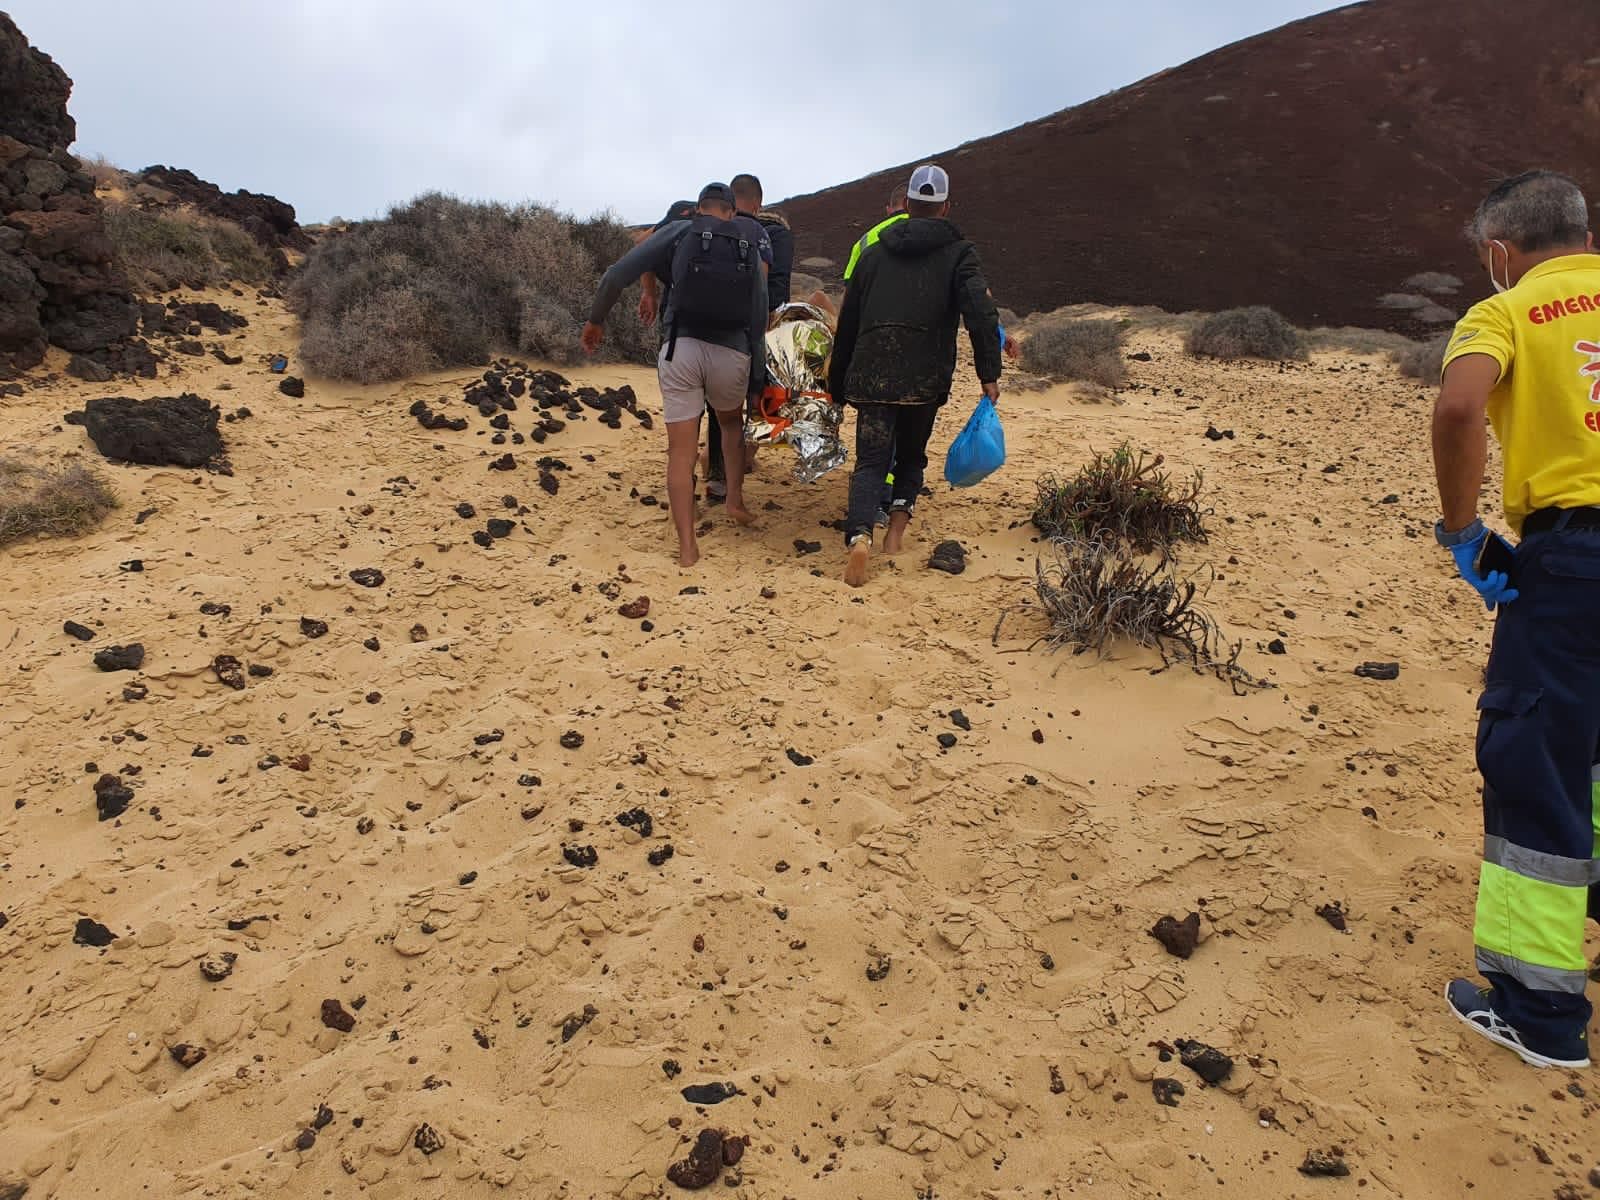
(681,210)
(719,192)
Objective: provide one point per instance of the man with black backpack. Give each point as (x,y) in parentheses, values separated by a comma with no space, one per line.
(894,355)
(713,322)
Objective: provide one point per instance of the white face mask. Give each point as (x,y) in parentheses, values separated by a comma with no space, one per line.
(1498,286)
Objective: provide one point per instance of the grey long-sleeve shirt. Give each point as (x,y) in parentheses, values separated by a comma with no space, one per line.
(654,256)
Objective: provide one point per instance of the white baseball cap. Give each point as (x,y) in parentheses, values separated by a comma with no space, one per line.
(929,183)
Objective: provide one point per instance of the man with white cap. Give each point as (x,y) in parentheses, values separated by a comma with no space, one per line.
(894,355)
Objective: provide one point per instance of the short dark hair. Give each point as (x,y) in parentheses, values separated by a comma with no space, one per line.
(747,185)
(1534,211)
(924,208)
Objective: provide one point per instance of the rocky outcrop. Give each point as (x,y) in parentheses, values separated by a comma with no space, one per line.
(58,285)
(266,218)
(167,431)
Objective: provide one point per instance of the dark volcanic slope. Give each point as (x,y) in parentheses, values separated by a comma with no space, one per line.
(1312,168)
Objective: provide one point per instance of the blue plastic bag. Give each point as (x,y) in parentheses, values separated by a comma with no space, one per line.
(979,450)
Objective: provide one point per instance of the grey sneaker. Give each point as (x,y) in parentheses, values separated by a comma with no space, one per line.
(1470,1003)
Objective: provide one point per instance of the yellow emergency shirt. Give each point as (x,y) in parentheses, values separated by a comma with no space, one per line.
(1545,410)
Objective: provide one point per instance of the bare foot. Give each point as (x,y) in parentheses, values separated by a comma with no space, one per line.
(740,514)
(688,553)
(894,537)
(855,570)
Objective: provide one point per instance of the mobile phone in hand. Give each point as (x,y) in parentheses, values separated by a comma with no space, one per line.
(1496,554)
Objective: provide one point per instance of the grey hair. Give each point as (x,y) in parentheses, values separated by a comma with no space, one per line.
(1534,211)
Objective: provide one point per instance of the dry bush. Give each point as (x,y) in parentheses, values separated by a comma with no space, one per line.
(1423,360)
(1083,350)
(443,282)
(1435,283)
(1095,594)
(164,248)
(1353,339)
(103,171)
(55,503)
(1120,498)
(1255,332)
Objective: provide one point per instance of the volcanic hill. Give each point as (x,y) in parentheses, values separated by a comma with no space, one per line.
(1313,168)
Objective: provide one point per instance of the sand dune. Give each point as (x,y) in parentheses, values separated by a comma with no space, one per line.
(540,1019)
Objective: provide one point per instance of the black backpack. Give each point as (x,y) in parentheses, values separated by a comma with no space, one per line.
(711,287)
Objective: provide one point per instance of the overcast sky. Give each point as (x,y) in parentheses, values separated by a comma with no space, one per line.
(344,107)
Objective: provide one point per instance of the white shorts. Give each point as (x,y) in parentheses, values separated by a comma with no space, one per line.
(701,373)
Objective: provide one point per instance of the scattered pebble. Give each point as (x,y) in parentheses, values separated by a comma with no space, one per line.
(1179,937)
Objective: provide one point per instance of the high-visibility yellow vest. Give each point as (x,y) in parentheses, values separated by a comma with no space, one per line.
(868,240)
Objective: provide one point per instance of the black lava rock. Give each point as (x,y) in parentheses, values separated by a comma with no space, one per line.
(120,658)
(950,557)
(292,386)
(167,431)
(82,632)
(111,797)
(88,932)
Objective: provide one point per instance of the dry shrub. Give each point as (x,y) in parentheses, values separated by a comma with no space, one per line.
(1096,594)
(443,282)
(53,502)
(1354,339)
(1435,283)
(1255,332)
(1122,499)
(164,248)
(1083,350)
(1423,360)
(103,171)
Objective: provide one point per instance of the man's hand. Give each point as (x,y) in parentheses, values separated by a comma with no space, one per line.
(1495,588)
(647,307)
(592,336)
(992,390)
(1013,351)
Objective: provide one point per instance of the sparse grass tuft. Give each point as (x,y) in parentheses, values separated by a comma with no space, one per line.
(160,249)
(443,282)
(103,171)
(53,502)
(1082,350)
(1423,360)
(1255,332)
(1124,499)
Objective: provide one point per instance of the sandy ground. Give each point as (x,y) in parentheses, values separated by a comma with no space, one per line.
(414,871)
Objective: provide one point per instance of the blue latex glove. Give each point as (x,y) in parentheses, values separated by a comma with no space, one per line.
(1496,589)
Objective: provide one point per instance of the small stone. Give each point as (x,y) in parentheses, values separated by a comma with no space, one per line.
(306,1139)
(335,1017)
(82,632)
(1179,937)
(215,968)
(1379,670)
(428,1139)
(111,797)
(1166,1091)
(290,385)
(88,932)
(960,720)
(636,610)
(949,557)
(313,628)
(703,1164)
(367,577)
(798,759)
(1333,913)
(1211,1064)
(1326,1164)
(571,740)
(187,1056)
(947,740)
(120,658)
